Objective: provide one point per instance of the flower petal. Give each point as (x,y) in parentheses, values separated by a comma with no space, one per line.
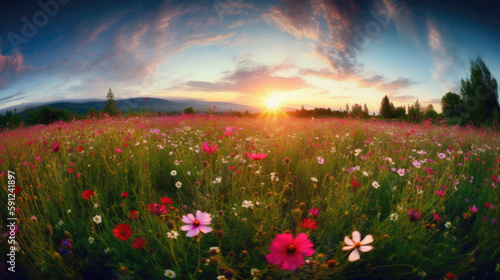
(348,241)
(354,256)
(347,248)
(187,227)
(205,229)
(356,236)
(193,232)
(367,240)
(365,248)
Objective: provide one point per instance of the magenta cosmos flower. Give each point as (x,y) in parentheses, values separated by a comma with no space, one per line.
(357,244)
(288,253)
(209,149)
(256,156)
(196,224)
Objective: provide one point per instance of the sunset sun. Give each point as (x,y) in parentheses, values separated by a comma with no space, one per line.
(273,102)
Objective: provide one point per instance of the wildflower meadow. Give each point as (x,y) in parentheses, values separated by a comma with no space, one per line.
(222,197)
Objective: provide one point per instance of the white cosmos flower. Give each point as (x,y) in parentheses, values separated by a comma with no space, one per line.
(356,245)
(247,204)
(97,219)
(375,184)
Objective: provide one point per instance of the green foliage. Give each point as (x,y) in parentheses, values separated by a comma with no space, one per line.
(47,115)
(430,113)
(399,112)
(479,93)
(451,105)
(110,107)
(189,111)
(357,111)
(10,120)
(385,108)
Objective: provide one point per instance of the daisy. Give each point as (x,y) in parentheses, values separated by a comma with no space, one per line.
(178,184)
(356,245)
(97,219)
(172,234)
(170,273)
(173,173)
(394,217)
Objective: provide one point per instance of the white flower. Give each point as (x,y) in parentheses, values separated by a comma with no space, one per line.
(96,205)
(161,147)
(356,152)
(422,273)
(170,273)
(221,277)
(107,250)
(366,174)
(69,211)
(97,219)
(356,245)
(394,217)
(188,173)
(314,179)
(91,239)
(60,223)
(375,184)
(178,184)
(247,204)
(215,249)
(447,225)
(173,173)
(172,234)
(218,180)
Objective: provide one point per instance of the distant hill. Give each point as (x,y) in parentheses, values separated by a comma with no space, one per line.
(141,104)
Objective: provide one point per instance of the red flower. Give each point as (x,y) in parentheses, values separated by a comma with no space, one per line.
(70,170)
(495,177)
(354,183)
(308,224)
(157,209)
(17,190)
(124,194)
(487,205)
(256,156)
(55,147)
(133,214)
(166,200)
(79,149)
(450,276)
(414,215)
(139,243)
(122,232)
(87,194)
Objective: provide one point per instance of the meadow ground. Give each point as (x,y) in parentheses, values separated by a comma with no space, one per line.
(214,197)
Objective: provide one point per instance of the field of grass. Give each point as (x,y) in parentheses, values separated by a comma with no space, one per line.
(284,199)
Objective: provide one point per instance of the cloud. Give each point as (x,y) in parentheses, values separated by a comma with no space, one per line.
(334,27)
(13,97)
(445,55)
(250,78)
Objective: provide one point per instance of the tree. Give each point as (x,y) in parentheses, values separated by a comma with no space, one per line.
(399,112)
(451,105)
(365,111)
(110,107)
(190,111)
(385,108)
(415,111)
(429,112)
(357,111)
(347,108)
(479,92)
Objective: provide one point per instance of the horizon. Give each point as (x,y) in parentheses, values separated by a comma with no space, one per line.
(290,53)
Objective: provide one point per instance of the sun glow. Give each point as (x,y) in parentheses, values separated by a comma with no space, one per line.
(273,102)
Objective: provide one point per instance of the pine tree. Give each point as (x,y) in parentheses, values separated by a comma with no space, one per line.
(365,110)
(110,107)
(347,108)
(385,108)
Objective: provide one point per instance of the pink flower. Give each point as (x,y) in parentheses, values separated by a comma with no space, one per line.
(440,193)
(321,160)
(473,209)
(357,245)
(414,215)
(314,212)
(436,216)
(118,150)
(288,253)
(256,156)
(195,225)
(55,147)
(157,209)
(209,149)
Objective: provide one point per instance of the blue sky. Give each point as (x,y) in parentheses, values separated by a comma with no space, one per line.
(317,53)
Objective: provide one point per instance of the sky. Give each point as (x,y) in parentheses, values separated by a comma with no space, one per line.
(318,53)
